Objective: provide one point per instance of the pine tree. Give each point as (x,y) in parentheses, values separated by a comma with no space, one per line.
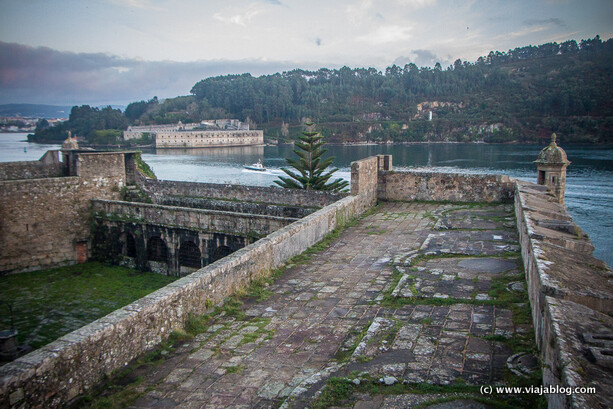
(311,168)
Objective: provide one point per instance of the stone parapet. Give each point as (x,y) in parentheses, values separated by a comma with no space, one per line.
(47,166)
(235,206)
(578,354)
(433,186)
(185,217)
(364,178)
(571,293)
(158,189)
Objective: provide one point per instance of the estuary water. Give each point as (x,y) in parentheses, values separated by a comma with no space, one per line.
(589,185)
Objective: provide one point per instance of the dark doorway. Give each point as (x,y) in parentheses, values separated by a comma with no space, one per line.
(156,251)
(130,245)
(189,255)
(221,252)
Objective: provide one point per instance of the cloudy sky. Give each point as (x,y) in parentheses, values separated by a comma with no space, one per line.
(120,51)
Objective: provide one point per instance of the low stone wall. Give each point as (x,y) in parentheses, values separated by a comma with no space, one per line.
(60,371)
(47,166)
(157,189)
(432,186)
(105,164)
(213,221)
(571,296)
(238,207)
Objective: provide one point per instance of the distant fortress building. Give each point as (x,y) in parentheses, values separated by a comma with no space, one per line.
(205,134)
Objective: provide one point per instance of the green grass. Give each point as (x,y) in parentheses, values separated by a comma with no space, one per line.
(336,392)
(340,392)
(50,303)
(235,369)
(143,166)
(517,343)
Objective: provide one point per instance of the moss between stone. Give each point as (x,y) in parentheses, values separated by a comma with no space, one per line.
(339,391)
(351,342)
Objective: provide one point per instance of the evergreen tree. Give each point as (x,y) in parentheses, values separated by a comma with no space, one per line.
(311,168)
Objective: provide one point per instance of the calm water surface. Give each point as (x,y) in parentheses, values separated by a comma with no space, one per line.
(589,189)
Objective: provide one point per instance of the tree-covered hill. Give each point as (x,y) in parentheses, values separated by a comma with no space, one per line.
(521,95)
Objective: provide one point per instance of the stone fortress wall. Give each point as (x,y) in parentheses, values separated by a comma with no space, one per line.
(207,139)
(571,295)
(432,186)
(570,291)
(45,218)
(206,134)
(159,190)
(191,237)
(47,166)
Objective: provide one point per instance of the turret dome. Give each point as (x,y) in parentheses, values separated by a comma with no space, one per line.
(552,154)
(70,143)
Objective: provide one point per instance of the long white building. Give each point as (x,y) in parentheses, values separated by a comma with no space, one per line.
(220,132)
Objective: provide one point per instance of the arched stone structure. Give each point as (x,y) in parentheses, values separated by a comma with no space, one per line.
(190,255)
(130,245)
(220,252)
(162,249)
(157,249)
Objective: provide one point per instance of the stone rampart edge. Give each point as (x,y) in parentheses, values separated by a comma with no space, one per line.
(558,352)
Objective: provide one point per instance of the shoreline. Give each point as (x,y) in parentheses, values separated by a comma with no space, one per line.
(408,143)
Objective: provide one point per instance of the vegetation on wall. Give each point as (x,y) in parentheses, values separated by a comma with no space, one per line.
(143,167)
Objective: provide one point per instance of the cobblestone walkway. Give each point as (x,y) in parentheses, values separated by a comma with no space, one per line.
(414,293)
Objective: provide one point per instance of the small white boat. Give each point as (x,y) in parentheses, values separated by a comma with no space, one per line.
(256,166)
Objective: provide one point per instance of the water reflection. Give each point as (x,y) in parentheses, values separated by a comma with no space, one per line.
(228,152)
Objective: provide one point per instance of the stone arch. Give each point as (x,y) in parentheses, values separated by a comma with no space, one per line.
(221,252)
(130,245)
(157,250)
(189,255)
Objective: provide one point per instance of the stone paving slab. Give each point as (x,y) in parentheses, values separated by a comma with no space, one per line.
(335,314)
(455,277)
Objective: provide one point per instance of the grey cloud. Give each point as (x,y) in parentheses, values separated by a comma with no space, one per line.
(548,21)
(318,41)
(422,58)
(44,75)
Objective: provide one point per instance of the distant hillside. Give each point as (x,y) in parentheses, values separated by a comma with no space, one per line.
(519,96)
(522,95)
(34,111)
